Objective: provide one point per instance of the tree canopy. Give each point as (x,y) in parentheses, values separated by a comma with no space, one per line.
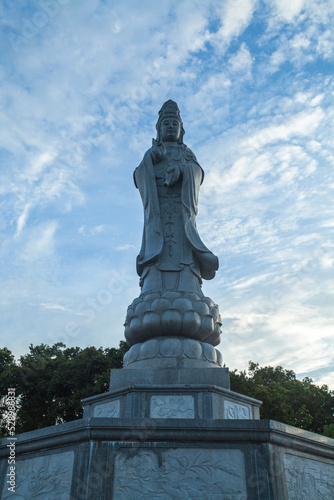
(286,399)
(51,381)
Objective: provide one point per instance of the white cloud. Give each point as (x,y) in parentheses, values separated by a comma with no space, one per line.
(125,247)
(41,242)
(287,9)
(303,123)
(235,17)
(21,221)
(93,231)
(53,307)
(241,61)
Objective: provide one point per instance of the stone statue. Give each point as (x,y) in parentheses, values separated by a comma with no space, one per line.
(173,259)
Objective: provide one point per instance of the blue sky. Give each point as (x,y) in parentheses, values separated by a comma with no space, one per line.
(81,85)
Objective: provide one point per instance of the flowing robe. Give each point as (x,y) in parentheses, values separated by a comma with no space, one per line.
(191,252)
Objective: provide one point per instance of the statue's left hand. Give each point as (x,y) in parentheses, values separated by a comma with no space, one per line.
(172,175)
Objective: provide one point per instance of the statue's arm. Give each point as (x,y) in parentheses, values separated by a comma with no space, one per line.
(139,173)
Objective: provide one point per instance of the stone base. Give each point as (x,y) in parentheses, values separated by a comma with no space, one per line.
(169,434)
(168,393)
(170,459)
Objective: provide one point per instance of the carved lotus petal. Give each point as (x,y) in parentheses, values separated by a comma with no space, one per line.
(207,326)
(160,305)
(192,296)
(171,322)
(171,295)
(182,305)
(127,334)
(142,308)
(132,354)
(191,323)
(171,347)
(209,352)
(208,301)
(201,307)
(149,297)
(219,358)
(129,314)
(135,326)
(214,313)
(135,302)
(149,349)
(214,338)
(151,324)
(192,348)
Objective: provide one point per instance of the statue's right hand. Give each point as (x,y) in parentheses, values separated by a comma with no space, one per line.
(158,151)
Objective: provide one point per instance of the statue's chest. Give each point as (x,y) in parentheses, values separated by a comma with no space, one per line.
(167,192)
(173,159)
(168,162)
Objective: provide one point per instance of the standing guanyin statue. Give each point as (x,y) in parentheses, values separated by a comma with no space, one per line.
(173,259)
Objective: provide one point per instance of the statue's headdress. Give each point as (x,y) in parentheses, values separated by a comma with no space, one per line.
(169,108)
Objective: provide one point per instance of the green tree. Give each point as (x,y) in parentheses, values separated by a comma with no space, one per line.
(286,399)
(329,430)
(8,377)
(51,381)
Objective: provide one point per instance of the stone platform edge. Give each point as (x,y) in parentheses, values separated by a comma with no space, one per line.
(171,431)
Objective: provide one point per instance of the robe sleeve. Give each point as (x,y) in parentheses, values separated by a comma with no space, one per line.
(192,177)
(152,241)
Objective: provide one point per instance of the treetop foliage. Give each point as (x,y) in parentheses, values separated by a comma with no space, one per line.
(51,381)
(286,399)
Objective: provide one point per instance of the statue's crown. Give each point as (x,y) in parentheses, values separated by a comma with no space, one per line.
(169,108)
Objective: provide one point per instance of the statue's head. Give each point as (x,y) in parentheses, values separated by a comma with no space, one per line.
(169,113)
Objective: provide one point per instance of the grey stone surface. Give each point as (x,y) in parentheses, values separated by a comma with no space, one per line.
(268,460)
(47,477)
(175,313)
(233,410)
(172,352)
(120,379)
(132,391)
(308,479)
(172,407)
(110,409)
(181,474)
(173,259)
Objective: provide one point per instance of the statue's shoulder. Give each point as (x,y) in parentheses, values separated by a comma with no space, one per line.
(147,156)
(148,153)
(139,171)
(188,154)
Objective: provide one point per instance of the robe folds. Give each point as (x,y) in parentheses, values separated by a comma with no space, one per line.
(153,239)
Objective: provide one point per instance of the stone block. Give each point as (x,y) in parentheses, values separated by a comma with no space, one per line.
(172,407)
(110,409)
(46,477)
(171,393)
(308,478)
(180,474)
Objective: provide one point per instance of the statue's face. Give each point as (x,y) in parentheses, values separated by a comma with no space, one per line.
(170,129)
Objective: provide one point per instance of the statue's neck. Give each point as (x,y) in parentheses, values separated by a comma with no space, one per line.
(172,145)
